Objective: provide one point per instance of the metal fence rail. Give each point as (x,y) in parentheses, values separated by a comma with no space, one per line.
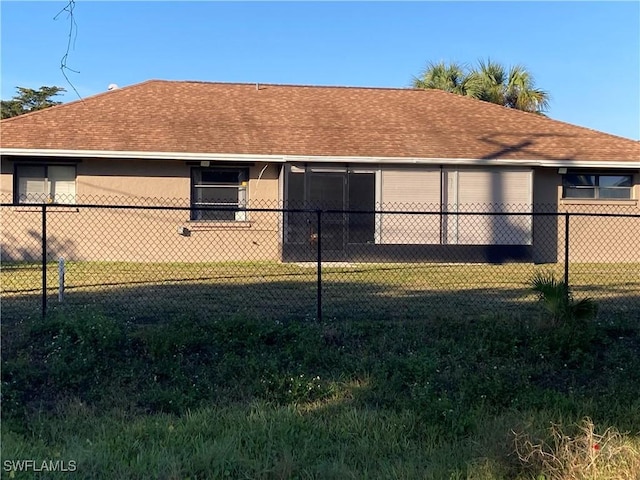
(148,262)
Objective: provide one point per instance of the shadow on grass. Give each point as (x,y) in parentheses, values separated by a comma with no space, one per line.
(351,294)
(455,359)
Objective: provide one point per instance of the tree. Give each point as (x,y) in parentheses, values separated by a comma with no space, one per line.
(440,76)
(512,87)
(30,100)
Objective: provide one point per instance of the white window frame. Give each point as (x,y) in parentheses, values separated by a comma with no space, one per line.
(49,184)
(242,187)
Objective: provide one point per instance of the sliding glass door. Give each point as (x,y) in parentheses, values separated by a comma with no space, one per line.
(335,192)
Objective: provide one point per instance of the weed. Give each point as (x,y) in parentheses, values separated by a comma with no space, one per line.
(584,455)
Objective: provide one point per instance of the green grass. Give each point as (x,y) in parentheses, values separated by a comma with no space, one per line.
(238,397)
(148,292)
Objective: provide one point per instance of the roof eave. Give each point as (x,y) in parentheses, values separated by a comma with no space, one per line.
(137,155)
(226,157)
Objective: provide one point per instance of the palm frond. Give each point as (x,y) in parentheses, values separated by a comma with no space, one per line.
(488,81)
(557,298)
(584,309)
(443,76)
(545,284)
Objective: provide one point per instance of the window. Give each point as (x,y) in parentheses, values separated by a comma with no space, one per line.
(607,187)
(219,187)
(45,184)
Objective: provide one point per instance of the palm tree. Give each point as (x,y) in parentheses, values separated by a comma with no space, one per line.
(440,76)
(490,81)
(513,87)
(558,300)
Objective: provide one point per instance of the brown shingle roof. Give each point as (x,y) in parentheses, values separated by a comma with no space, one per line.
(199,117)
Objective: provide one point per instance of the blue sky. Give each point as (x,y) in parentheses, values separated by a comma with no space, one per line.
(586,54)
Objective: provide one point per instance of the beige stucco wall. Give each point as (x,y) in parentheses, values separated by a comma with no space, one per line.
(154,235)
(161,182)
(136,236)
(591,238)
(117,234)
(131,181)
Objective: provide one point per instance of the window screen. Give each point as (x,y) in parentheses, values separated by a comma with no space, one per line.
(219,193)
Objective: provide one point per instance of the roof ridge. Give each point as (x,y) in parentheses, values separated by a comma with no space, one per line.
(292,85)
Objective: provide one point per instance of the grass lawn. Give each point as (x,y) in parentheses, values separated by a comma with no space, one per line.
(416,371)
(146,292)
(237,397)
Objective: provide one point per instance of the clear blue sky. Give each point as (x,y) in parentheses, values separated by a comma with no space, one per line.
(586,54)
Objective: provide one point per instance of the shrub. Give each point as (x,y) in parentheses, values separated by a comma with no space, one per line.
(572,332)
(557,298)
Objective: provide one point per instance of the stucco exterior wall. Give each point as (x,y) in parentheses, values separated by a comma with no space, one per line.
(135,235)
(169,235)
(547,230)
(141,235)
(604,239)
(132,181)
(591,239)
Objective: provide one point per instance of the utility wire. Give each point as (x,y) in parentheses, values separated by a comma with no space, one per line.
(73,34)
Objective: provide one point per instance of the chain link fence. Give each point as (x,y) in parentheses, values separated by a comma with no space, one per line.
(156,259)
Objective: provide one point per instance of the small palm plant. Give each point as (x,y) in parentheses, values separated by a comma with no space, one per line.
(557,298)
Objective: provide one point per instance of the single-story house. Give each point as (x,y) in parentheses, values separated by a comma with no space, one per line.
(374,150)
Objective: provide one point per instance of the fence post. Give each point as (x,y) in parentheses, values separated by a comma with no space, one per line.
(61,271)
(44,260)
(319,265)
(566,251)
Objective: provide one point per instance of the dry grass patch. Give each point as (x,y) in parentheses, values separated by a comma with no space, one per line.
(585,455)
